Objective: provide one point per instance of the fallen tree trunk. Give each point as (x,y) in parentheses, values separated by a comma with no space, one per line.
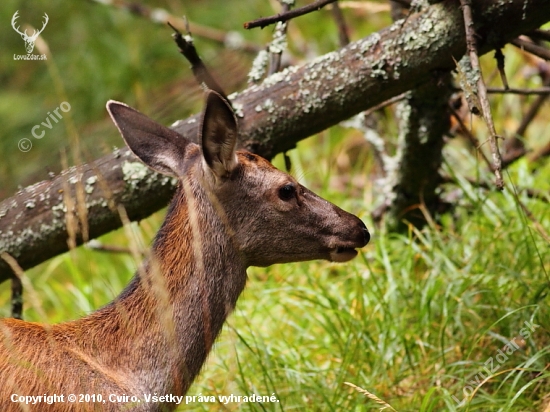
(287,107)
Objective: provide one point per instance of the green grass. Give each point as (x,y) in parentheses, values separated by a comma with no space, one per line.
(413,319)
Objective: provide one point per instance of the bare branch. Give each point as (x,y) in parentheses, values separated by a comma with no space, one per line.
(532,48)
(539,34)
(403,3)
(533,110)
(473,140)
(276,48)
(539,90)
(541,153)
(515,148)
(202,75)
(278,44)
(482,91)
(500,66)
(285,16)
(338,16)
(233,40)
(387,103)
(100,247)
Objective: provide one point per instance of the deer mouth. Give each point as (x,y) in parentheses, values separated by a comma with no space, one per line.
(342,254)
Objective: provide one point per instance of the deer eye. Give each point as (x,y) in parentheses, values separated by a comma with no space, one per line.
(287,192)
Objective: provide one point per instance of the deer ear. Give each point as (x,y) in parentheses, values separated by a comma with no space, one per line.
(159,147)
(219,135)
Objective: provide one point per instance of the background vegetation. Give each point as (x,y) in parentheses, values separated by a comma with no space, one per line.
(412,320)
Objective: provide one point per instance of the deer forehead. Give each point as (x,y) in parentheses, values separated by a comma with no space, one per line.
(261,169)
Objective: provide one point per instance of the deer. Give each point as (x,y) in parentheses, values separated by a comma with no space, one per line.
(232,209)
(29,40)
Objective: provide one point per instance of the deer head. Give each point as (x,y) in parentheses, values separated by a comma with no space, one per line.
(29,40)
(270,216)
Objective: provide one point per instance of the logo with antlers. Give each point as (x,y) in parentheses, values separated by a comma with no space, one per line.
(29,40)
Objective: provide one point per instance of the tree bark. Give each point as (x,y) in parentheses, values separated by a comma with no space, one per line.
(423,122)
(287,107)
(423,118)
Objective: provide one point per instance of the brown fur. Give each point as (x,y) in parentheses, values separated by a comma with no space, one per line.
(227,214)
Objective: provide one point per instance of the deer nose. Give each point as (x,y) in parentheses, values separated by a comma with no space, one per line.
(366,233)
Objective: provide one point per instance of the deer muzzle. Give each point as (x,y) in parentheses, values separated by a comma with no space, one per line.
(359,238)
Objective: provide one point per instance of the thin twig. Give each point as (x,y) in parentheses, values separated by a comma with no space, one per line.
(404,3)
(278,43)
(539,34)
(515,146)
(539,90)
(533,110)
(386,103)
(530,193)
(100,247)
(515,152)
(187,49)
(532,48)
(500,66)
(377,143)
(282,17)
(473,140)
(482,92)
(343,32)
(232,40)
(540,153)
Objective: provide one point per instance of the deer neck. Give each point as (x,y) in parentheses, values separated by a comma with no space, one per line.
(176,305)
